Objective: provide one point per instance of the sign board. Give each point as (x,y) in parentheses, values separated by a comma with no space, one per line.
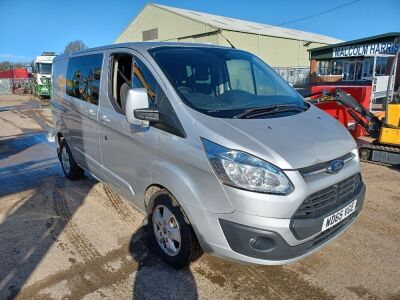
(381,84)
(43,58)
(365,50)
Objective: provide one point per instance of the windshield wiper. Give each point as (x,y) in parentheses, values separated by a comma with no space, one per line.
(265,110)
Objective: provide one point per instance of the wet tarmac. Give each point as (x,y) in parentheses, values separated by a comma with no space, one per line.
(31,105)
(62,239)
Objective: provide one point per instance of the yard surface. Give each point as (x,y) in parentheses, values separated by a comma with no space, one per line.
(63,239)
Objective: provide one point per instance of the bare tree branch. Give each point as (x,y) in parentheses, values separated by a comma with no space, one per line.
(74,46)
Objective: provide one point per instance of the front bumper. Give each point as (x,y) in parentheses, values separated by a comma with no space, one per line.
(43,90)
(265,240)
(271,246)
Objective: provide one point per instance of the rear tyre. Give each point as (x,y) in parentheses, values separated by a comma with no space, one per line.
(173,238)
(71,170)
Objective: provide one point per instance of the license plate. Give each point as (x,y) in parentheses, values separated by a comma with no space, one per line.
(339,216)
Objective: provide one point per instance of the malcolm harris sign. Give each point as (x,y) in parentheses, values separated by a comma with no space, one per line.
(366,50)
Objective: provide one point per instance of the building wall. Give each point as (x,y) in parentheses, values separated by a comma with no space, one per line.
(170,26)
(208,38)
(278,52)
(285,52)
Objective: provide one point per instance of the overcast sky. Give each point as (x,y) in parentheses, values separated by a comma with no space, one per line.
(27,28)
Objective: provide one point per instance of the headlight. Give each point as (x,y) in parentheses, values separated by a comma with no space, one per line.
(242,170)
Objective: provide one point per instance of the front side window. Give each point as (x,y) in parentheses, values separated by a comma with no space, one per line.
(130,72)
(142,78)
(83,77)
(223,82)
(123,78)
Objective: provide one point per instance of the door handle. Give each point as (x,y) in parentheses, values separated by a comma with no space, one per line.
(91,112)
(105,119)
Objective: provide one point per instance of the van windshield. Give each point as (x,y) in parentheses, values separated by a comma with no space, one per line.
(224,82)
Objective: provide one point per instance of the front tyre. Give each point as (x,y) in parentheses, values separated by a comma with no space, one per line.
(173,238)
(70,168)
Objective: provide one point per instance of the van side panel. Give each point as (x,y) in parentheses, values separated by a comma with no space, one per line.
(75,116)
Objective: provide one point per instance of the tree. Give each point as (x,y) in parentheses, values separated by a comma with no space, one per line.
(74,46)
(5,65)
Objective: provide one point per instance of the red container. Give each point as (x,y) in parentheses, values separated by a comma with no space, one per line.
(14,73)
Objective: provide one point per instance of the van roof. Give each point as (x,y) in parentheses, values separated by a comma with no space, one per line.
(143,46)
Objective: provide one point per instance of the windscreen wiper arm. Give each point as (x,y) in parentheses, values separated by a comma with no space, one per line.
(265,110)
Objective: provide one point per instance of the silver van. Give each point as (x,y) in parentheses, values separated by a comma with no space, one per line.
(210,143)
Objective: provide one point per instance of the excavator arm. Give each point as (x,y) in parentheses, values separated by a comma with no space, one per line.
(371,152)
(371,123)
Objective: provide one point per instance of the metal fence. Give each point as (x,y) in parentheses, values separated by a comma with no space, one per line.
(16,85)
(298,77)
(6,86)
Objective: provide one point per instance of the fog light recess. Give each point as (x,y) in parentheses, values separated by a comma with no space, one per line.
(262,243)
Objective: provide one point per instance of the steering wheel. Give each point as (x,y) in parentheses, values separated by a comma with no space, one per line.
(184,89)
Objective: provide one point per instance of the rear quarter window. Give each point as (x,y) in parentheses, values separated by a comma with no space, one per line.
(58,77)
(83,77)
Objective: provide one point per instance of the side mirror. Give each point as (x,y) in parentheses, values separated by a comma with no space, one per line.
(147,114)
(136,99)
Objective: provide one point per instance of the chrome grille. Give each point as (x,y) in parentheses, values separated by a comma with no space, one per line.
(323,167)
(330,198)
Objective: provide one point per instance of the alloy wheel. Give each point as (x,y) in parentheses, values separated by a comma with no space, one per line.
(166,230)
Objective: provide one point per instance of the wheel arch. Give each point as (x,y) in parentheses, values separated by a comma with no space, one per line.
(149,200)
(192,186)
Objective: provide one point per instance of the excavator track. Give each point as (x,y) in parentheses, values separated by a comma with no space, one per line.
(380,155)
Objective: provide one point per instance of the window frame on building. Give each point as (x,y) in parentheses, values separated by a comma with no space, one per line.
(329,67)
(323,68)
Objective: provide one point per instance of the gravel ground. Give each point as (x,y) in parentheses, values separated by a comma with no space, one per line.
(62,239)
